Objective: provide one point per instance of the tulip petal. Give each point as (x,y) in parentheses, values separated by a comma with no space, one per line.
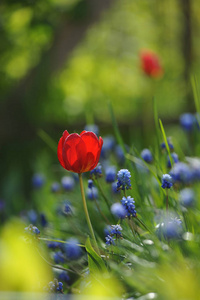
(91,142)
(92,148)
(89,161)
(74,153)
(98,154)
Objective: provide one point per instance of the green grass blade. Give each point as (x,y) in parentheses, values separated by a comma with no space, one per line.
(166,142)
(196,93)
(48,140)
(115,126)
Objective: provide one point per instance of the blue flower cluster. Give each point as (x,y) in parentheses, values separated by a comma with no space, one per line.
(59,257)
(73,250)
(123,177)
(38,180)
(170,229)
(32,230)
(109,240)
(108,146)
(68,183)
(187,197)
(174,158)
(129,205)
(96,172)
(55,187)
(92,127)
(110,174)
(167,181)
(90,184)
(118,210)
(116,230)
(54,287)
(171,147)
(181,172)
(187,121)
(92,193)
(147,155)
(63,276)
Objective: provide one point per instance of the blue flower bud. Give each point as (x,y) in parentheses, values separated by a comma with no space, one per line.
(110,174)
(146,155)
(118,210)
(72,249)
(187,121)
(123,177)
(167,181)
(68,183)
(38,181)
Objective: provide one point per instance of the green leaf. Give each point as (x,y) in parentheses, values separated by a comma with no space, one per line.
(166,142)
(196,93)
(95,262)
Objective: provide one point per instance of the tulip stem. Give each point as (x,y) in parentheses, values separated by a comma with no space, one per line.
(86,212)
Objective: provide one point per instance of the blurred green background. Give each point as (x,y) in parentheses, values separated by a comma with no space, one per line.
(62,61)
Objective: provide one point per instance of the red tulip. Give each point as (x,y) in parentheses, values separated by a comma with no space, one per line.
(151,65)
(79,153)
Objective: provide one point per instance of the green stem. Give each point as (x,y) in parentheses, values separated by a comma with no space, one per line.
(86,212)
(142,223)
(167,201)
(131,227)
(102,193)
(100,211)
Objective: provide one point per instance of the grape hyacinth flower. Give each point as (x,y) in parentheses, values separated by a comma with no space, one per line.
(55,187)
(59,257)
(187,197)
(68,183)
(38,181)
(109,240)
(72,249)
(118,210)
(129,205)
(114,188)
(32,230)
(110,174)
(92,193)
(43,220)
(187,121)
(90,184)
(96,172)
(116,230)
(108,145)
(181,172)
(123,177)
(119,154)
(146,155)
(170,145)
(67,209)
(32,215)
(53,245)
(171,228)
(54,287)
(107,230)
(174,158)
(166,181)
(63,276)
(93,128)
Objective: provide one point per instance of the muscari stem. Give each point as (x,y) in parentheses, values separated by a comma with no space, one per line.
(143,224)
(167,201)
(103,195)
(86,212)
